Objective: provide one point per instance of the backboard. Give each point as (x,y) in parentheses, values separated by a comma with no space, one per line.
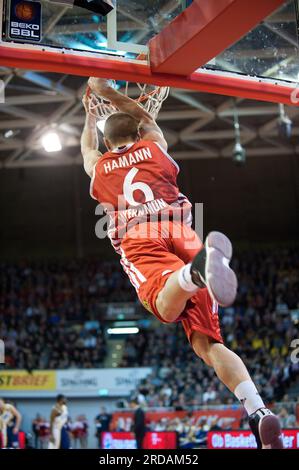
(232,47)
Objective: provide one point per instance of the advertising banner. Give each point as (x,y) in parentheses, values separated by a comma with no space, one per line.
(246,440)
(100,382)
(73,382)
(126,440)
(21,380)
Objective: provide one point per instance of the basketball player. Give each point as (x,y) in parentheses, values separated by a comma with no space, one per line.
(175,276)
(59,437)
(10,422)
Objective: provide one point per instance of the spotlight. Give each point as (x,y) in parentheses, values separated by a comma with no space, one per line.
(284,123)
(8,134)
(51,142)
(11,133)
(239,152)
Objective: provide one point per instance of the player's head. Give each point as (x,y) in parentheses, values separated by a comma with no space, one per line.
(134,403)
(120,129)
(61,399)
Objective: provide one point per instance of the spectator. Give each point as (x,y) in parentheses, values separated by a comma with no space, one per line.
(79,432)
(139,427)
(36,430)
(102,422)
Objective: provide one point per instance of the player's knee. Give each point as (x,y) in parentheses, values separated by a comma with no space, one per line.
(168,313)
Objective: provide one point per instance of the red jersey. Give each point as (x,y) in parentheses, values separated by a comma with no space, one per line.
(137,182)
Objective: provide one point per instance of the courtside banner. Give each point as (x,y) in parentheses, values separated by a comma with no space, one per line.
(126,440)
(23,381)
(226,418)
(246,440)
(100,382)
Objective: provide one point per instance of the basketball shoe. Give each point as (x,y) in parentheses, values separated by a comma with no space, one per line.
(266,429)
(210,268)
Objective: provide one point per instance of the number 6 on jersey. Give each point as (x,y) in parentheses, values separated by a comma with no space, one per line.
(129,188)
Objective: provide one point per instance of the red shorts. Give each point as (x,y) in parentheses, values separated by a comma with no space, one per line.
(159,249)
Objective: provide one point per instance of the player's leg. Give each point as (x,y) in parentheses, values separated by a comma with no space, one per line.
(3,436)
(209,267)
(12,438)
(57,437)
(64,439)
(233,373)
(151,264)
(172,299)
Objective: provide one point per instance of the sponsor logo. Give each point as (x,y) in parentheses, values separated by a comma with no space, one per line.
(25,381)
(146,304)
(25,21)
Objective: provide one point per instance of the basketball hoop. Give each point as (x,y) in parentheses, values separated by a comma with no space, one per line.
(150,98)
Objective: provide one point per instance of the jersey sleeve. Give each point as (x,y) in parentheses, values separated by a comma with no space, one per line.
(166,154)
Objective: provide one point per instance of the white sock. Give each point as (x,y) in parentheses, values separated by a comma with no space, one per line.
(247,394)
(185,280)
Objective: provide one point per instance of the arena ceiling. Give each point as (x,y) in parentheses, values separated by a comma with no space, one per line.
(196,125)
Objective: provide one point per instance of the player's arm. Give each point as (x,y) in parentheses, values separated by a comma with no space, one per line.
(89,141)
(149,130)
(18,417)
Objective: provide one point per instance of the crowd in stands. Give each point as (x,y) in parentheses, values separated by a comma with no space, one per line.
(50,313)
(50,317)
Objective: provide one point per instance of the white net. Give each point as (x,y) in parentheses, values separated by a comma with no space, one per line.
(150,98)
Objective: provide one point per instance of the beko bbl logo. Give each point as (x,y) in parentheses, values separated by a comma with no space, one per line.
(25,20)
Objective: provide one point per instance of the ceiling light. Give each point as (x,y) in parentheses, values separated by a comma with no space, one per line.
(8,134)
(123,331)
(51,142)
(285,124)
(239,152)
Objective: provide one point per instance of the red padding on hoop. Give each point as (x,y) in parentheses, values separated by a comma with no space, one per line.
(108,68)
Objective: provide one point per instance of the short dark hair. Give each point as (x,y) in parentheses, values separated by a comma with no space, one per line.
(60,397)
(119,127)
